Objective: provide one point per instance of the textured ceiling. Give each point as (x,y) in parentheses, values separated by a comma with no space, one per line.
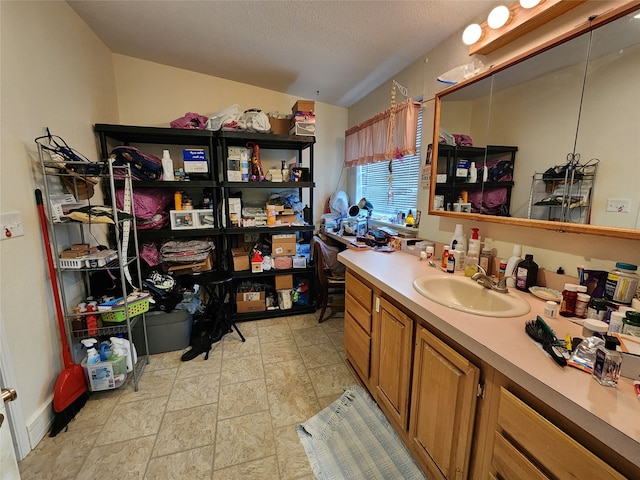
(331,51)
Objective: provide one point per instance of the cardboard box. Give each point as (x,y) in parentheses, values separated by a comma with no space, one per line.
(284,282)
(630,351)
(303,128)
(304,106)
(240,258)
(280,219)
(195,160)
(250,302)
(280,126)
(283,245)
(189,268)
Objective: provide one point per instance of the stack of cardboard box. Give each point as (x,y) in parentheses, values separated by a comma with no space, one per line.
(304,118)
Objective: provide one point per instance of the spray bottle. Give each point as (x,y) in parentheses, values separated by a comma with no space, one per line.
(92,354)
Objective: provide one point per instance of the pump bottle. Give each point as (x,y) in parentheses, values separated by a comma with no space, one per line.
(512,264)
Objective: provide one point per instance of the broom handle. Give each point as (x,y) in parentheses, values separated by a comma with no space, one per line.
(66,351)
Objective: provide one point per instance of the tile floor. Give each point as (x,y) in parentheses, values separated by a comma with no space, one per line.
(233,416)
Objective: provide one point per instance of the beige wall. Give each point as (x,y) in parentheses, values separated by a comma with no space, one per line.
(551,249)
(57,74)
(153,94)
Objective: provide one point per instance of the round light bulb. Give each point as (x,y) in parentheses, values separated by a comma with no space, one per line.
(498,17)
(472,34)
(529,3)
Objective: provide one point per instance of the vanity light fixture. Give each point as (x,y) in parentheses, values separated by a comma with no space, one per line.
(526,4)
(472,34)
(506,24)
(498,17)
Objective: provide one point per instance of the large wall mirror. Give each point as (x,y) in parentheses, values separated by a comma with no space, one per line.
(553,137)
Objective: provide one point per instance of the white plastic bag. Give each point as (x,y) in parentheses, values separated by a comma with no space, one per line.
(229,115)
(255,121)
(461,72)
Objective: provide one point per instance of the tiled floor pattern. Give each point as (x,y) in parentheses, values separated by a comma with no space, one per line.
(230,417)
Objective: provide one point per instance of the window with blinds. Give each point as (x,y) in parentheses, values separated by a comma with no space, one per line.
(374,182)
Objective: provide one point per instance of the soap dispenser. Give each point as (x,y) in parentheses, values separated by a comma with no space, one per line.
(512,264)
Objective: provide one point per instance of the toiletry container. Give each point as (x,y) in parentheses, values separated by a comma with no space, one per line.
(526,273)
(569,297)
(631,323)
(167,166)
(550,309)
(616,322)
(607,365)
(459,257)
(486,260)
(473,173)
(594,328)
(451,262)
(512,264)
(445,256)
(622,283)
(473,256)
(458,241)
(597,308)
(582,303)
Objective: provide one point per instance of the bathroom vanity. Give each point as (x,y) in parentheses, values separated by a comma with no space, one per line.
(473,396)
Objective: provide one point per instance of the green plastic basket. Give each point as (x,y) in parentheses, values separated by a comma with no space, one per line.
(135,308)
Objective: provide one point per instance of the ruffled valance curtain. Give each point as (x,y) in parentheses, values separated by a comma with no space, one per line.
(382,137)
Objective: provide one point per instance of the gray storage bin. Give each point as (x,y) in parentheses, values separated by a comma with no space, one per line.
(166,332)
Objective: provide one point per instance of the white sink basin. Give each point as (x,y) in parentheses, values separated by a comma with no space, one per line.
(462,293)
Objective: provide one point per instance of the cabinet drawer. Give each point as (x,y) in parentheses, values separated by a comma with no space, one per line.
(555,452)
(511,464)
(357,344)
(358,312)
(361,292)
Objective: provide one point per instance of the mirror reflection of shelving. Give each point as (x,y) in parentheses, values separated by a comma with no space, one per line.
(563,194)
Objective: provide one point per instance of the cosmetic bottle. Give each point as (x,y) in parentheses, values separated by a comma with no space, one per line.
(458,242)
(607,365)
(526,273)
(473,173)
(512,264)
(167,166)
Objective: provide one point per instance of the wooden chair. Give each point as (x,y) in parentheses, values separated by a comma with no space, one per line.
(328,283)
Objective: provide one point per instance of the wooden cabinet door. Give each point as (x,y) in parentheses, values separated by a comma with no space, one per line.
(393,333)
(443,406)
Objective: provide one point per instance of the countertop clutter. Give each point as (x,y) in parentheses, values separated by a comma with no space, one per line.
(609,414)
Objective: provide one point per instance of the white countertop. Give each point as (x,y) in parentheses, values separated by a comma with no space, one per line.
(609,414)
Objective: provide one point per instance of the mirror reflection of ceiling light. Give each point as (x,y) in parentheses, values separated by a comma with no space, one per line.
(498,17)
(529,3)
(472,34)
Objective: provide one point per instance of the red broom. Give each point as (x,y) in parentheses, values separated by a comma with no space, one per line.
(70,392)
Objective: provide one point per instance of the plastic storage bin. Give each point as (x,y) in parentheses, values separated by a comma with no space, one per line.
(166,332)
(106,375)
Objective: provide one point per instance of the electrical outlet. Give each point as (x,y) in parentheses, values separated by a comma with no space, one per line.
(11,225)
(620,205)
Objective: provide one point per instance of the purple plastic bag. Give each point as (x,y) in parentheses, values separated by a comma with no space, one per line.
(193,121)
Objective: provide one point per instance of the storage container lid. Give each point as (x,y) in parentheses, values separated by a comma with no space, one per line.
(596,325)
(627,266)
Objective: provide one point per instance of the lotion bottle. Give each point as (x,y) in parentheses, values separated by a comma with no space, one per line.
(512,264)
(458,242)
(167,166)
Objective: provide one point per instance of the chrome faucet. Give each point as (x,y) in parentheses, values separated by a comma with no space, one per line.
(483,279)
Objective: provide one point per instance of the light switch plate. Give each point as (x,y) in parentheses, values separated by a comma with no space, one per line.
(11,225)
(620,205)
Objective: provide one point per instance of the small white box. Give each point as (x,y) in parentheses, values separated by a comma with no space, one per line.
(441,178)
(182,219)
(204,218)
(234,175)
(303,128)
(299,262)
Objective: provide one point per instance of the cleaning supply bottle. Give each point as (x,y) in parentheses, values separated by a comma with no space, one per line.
(105,351)
(167,167)
(122,346)
(512,264)
(458,242)
(526,273)
(92,354)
